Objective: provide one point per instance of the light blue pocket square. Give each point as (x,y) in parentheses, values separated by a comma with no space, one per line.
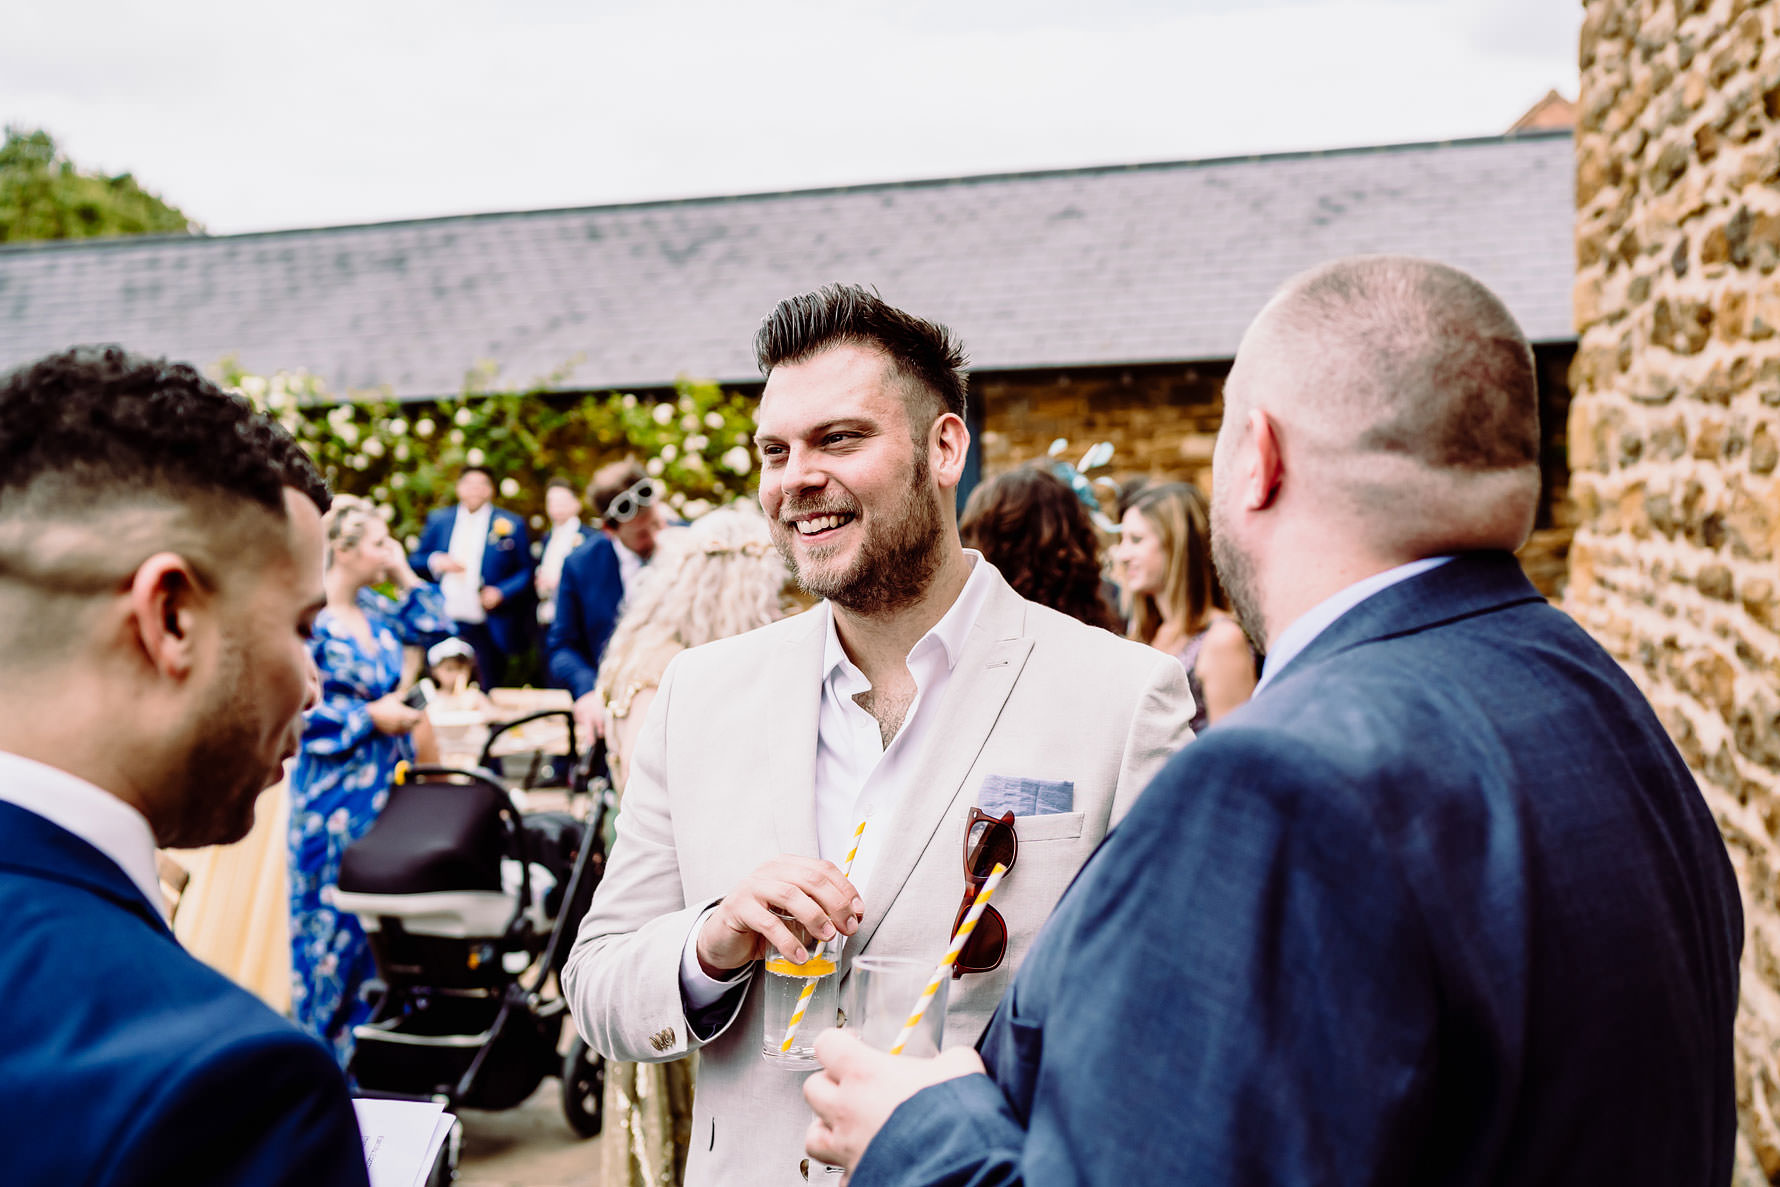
(1025,797)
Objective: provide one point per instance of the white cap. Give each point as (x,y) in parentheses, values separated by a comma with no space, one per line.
(452,648)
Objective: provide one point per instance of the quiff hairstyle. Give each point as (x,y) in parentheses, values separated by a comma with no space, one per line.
(928,356)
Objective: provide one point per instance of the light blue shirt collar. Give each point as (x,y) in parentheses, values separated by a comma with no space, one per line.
(1320,617)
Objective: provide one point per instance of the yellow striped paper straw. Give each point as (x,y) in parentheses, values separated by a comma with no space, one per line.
(809,988)
(951,956)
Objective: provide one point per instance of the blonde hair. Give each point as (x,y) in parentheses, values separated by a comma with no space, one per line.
(345,523)
(717,578)
(1178,514)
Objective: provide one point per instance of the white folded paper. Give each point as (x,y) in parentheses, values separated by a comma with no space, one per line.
(402,1139)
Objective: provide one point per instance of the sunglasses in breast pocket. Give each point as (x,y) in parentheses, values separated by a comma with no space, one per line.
(989,841)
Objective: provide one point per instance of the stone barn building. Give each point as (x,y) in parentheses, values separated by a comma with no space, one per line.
(1097,304)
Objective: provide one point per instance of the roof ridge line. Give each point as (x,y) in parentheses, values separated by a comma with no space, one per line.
(126,241)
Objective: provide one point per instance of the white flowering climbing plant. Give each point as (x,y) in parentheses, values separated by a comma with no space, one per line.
(405,455)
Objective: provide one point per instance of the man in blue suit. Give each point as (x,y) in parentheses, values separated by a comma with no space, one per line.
(481,557)
(160,568)
(595,578)
(1441,905)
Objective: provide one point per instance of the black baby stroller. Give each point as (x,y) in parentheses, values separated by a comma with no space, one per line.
(471,908)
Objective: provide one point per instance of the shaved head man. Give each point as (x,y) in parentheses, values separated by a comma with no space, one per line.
(1440,905)
(1401,398)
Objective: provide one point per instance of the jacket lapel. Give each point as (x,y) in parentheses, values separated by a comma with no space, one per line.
(793,680)
(928,810)
(37,847)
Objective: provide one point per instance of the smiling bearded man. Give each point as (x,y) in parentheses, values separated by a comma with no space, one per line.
(892,568)
(921,689)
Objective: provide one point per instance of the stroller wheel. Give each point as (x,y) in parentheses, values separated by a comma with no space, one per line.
(583,1086)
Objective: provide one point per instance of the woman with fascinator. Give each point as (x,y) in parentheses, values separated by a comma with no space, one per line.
(1032,526)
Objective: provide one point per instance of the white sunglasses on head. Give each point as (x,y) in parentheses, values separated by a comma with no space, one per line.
(626,503)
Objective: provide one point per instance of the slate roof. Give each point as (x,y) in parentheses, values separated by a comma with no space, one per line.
(1080,267)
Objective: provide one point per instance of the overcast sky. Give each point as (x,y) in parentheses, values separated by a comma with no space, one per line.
(251,116)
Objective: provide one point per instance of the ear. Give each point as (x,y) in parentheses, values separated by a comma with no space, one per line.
(948,441)
(165,597)
(1266,470)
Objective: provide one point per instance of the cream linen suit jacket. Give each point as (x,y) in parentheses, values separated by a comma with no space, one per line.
(723,780)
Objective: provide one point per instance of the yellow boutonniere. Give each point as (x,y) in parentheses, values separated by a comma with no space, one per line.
(501,530)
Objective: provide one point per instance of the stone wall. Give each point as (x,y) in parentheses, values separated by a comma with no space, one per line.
(1162,421)
(1675,430)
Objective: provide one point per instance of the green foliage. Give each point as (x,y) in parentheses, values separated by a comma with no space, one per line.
(43,196)
(406,456)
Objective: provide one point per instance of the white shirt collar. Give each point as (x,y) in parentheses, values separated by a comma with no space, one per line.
(629,563)
(91,813)
(1320,617)
(949,632)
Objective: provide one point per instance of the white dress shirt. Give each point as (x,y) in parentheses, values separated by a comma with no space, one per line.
(94,815)
(463,591)
(557,546)
(629,564)
(1320,617)
(856,775)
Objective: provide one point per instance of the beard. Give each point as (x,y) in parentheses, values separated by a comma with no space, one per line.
(1236,573)
(895,563)
(226,770)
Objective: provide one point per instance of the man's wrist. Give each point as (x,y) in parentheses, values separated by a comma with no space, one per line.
(700,989)
(717,972)
(707,966)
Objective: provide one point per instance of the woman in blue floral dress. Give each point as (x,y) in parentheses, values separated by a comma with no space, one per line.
(352,740)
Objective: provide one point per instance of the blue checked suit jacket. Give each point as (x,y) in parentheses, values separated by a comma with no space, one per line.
(1441,906)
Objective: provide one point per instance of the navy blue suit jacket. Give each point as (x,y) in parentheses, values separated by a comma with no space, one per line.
(587,601)
(506,565)
(1441,906)
(123,1060)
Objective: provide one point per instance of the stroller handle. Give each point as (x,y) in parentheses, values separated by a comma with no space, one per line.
(576,762)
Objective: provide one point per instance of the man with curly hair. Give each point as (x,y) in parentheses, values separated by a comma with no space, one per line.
(160,568)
